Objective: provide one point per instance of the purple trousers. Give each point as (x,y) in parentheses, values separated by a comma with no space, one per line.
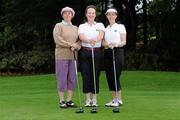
(65,75)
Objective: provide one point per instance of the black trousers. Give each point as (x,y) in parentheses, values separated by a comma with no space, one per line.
(109,68)
(86,68)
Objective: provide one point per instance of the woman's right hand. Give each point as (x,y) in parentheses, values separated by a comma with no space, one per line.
(113,44)
(74,46)
(92,42)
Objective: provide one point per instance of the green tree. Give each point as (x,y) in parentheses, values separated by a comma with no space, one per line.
(165,16)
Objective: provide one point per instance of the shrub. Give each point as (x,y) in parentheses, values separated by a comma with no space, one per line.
(141,61)
(31,61)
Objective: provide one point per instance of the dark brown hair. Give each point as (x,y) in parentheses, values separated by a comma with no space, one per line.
(89,6)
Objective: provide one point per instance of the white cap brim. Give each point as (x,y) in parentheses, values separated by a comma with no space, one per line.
(111,10)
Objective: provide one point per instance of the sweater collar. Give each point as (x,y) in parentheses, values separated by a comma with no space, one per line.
(66,23)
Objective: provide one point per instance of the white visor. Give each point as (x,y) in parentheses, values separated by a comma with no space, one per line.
(111,10)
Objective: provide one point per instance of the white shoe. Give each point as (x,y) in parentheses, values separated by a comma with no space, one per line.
(94,103)
(109,103)
(115,104)
(88,103)
(120,102)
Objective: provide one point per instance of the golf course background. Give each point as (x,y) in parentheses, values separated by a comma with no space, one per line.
(147,95)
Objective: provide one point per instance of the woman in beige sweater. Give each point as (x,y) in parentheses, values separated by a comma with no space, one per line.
(66,39)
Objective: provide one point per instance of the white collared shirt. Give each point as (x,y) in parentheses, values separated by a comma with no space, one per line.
(113,33)
(91,31)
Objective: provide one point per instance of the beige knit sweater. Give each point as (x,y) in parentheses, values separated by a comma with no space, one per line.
(65,35)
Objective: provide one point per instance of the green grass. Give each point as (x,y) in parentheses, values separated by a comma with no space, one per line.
(147,95)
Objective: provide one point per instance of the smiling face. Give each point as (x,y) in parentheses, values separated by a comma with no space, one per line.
(111,16)
(67,16)
(91,14)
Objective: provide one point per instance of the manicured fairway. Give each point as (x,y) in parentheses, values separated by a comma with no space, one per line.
(147,95)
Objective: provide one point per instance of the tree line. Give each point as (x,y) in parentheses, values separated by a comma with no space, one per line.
(26,42)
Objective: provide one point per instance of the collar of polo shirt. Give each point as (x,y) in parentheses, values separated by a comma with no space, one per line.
(88,23)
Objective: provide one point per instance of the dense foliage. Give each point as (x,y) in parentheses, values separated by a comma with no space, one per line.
(26,42)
